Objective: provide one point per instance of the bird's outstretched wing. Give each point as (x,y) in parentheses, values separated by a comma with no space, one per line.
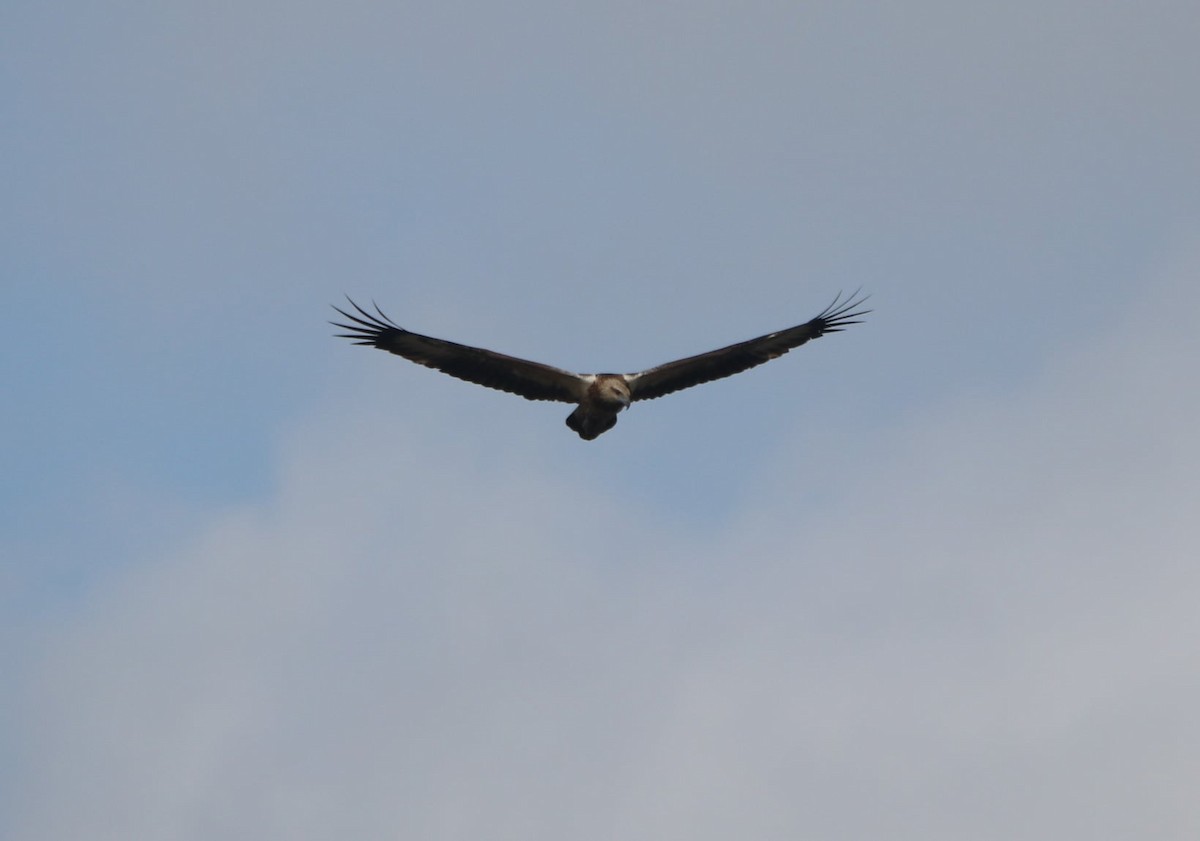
(531,380)
(685,373)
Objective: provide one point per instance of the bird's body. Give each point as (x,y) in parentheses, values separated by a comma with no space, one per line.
(599,398)
(606,395)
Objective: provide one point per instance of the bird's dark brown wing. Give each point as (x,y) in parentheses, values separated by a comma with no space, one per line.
(530,380)
(685,373)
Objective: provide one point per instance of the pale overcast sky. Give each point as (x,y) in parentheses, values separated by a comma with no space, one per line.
(935,577)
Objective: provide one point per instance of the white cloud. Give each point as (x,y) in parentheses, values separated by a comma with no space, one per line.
(980,627)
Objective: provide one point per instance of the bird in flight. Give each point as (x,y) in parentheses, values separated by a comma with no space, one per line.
(598,397)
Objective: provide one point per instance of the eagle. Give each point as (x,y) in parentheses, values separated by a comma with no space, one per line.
(599,398)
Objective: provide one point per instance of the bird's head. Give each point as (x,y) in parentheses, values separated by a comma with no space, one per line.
(613,390)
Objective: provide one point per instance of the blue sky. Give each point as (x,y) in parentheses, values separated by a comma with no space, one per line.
(932,577)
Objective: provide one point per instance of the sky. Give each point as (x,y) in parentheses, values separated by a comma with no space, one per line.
(933,577)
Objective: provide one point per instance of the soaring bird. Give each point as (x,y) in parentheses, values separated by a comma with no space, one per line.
(598,397)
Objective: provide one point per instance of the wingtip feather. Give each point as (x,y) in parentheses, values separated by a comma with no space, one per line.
(365,324)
